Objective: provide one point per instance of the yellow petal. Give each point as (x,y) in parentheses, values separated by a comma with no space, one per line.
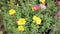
(21,28)
(12,12)
(38,21)
(21,21)
(34,17)
(42,1)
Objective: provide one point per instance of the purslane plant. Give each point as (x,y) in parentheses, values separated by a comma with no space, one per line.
(30,19)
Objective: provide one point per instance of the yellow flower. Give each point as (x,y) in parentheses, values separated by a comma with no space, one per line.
(21,28)
(12,12)
(42,1)
(34,18)
(37,20)
(21,21)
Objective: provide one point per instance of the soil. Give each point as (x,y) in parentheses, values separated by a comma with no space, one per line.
(2,30)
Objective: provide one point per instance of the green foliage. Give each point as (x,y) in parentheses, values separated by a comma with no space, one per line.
(48,16)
